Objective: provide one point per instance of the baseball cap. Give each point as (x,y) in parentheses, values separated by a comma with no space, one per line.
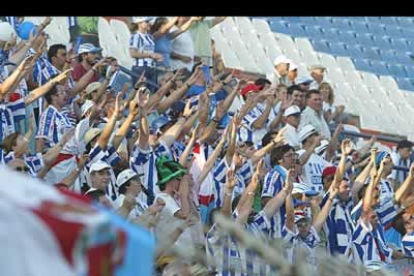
(91,134)
(92,87)
(317,67)
(24,30)
(281,59)
(330,170)
(124,176)
(291,110)
(158,123)
(139,19)
(324,144)
(302,188)
(6,31)
(88,104)
(299,215)
(304,80)
(251,87)
(99,166)
(292,66)
(88,48)
(305,132)
(178,106)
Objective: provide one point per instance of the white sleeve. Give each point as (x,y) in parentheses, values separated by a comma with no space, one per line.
(171,207)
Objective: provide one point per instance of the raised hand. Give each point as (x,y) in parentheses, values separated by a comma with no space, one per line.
(143,97)
(68,135)
(188,110)
(133,107)
(290,177)
(26,63)
(346,147)
(231,180)
(142,79)
(279,138)
(62,76)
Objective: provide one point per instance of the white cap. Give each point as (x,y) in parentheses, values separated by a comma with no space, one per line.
(91,134)
(292,66)
(291,110)
(88,104)
(302,188)
(322,147)
(99,166)
(88,48)
(305,132)
(124,176)
(6,31)
(281,59)
(92,87)
(139,19)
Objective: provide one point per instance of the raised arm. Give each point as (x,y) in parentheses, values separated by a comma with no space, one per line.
(307,154)
(123,130)
(70,179)
(156,98)
(14,79)
(228,195)
(165,28)
(109,127)
(50,156)
(362,177)
(42,90)
(323,214)
(231,148)
(188,149)
(212,158)
(171,135)
(369,193)
(185,27)
(277,201)
(402,190)
(333,143)
(275,142)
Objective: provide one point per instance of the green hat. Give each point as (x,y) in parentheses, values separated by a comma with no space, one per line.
(168,170)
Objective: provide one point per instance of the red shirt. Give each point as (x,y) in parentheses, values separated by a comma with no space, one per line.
(79,71)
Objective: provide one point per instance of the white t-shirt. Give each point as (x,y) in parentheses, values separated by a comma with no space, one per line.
(138,210)
(312,170)
(291,136)
(183,45)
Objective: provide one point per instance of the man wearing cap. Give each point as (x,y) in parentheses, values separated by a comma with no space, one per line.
(173,180)
(304,83)
(292,119)
(312,163)
(100,177)
(88,56)
(401,157)
(313,114)
(303,231)
(292,74)
(128,182)
(317,72)
(281,65)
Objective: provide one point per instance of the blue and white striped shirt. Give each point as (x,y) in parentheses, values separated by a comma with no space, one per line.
(370,244)
(339,225)
(10,114)
(52,126)
(13,20)
(273,183)
(308,244)
(247,132)
(398,175)
(33,162)
(144,43)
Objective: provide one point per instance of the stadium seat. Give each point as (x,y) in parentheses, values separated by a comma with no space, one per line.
(296,29)
(341,23)
(393,31)
(388,55)
(303,44)
(121,31)
(308,20)
(379,67)
(371,53)
(338,49)
(404,83)
(355,51)
(261,26)
(313,32)
(373,20)
(389,20)
(382,42)
(348,36)
(324,21)
(328,61)
(330,34)
(285,42)
(400,44)
(396,70)
(365,39)
(279,26)
(388,83)
(362,64)
(377,29)
(321,46)
(409,70)
(405,22)
(345,63)
(359,26)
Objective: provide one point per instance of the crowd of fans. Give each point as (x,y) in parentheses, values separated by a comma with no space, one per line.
(204,157)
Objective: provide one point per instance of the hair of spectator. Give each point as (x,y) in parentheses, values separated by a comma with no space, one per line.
(310,92)
(9,142)
(53,50)
(293,88)
(53,91)
(95,195)
(404,144)
(262,82)
(398,224)
(268,137)
(277,153)
(158,23)
(331,92)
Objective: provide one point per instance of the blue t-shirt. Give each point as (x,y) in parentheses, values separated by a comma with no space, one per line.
(163,47)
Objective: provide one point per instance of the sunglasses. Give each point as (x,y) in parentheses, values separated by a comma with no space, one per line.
(22,169)
(302,224)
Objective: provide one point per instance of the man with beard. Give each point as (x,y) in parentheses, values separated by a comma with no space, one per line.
(88,56)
